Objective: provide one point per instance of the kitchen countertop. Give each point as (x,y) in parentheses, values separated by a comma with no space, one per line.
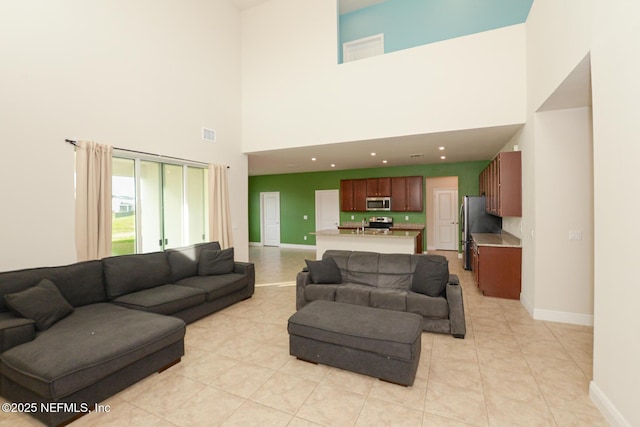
(403,226)
(408,234)
(408,226)
(502,239)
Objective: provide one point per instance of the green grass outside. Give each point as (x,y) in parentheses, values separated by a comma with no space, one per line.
(123,239)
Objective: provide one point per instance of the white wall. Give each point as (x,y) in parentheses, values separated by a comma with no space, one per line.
(295,93)
(615,69)
(558,37)
(564,205)
(141,75)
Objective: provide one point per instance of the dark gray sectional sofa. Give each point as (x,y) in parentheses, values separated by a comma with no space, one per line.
(417,283)
(93,328)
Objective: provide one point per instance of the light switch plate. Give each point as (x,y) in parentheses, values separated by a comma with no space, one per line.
(575,234)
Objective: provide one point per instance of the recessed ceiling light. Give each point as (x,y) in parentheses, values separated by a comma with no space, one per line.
(441,148)
(443,157)
(313,159)
(384,161)
(333,165)
(373,154)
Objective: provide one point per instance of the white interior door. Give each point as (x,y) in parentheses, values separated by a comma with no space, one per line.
(270,214)
(327,209)
(446,219)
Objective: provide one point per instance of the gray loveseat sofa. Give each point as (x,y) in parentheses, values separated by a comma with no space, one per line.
(72,336)
(400,282)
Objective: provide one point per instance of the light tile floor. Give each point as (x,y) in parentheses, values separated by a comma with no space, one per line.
(510,370)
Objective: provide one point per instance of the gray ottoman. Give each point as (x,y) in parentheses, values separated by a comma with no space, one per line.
(381,343)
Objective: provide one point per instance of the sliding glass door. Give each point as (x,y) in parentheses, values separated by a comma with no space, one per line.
(123,207)
(173,205)
(196,204)
(150,202)
(167,203)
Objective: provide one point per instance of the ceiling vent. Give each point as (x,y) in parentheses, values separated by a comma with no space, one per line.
(209,135)
(416,156)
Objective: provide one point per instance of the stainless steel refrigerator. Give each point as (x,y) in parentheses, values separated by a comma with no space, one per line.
(475,219)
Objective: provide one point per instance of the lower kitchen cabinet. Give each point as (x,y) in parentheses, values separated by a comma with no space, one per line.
(498,270)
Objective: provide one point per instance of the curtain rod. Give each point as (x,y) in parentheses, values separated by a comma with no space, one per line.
(75,143)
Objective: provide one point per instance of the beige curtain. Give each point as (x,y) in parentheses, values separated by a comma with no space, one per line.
(219,216)
(93,200)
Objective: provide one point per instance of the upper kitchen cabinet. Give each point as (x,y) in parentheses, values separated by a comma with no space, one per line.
(378,187)
(406,194)
(501,183)
(353,195)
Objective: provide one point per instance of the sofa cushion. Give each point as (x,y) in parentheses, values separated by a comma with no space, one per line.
(184,261)
(15,331)
(430,307)
(362,268)
(431,276)
(125,274)
(395,271)
(354,293)
(165,299)
(82,348)
(216,286)
(80,284)
(325,271)
(320,292)
(42,303)
(213,262)
(387,298)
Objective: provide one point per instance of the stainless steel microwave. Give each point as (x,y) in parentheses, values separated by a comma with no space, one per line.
(378,203)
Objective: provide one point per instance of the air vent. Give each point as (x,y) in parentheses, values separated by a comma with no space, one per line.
(416,156)
(209,135)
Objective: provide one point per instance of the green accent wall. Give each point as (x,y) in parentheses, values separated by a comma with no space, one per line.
(297,195)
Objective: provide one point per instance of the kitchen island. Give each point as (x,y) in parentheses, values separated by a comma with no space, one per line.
(383,241)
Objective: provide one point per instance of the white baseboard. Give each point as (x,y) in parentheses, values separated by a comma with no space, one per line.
(563,317)
(255,243)
(606,408)
(431,248)
(293,246)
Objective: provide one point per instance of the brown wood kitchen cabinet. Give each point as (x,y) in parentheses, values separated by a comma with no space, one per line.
(501,183)
(378,187)
(498,270)
(353,195)
(406,194)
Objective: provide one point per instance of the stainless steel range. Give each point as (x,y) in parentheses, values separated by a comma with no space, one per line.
(381,223)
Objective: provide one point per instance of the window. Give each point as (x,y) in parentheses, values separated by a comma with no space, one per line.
(123,206)
(363,48)
(157,205)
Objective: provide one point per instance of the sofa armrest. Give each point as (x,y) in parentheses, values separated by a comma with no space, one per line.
(456,310)
(302,279)
(454,279)
(15,331)
(248,269)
